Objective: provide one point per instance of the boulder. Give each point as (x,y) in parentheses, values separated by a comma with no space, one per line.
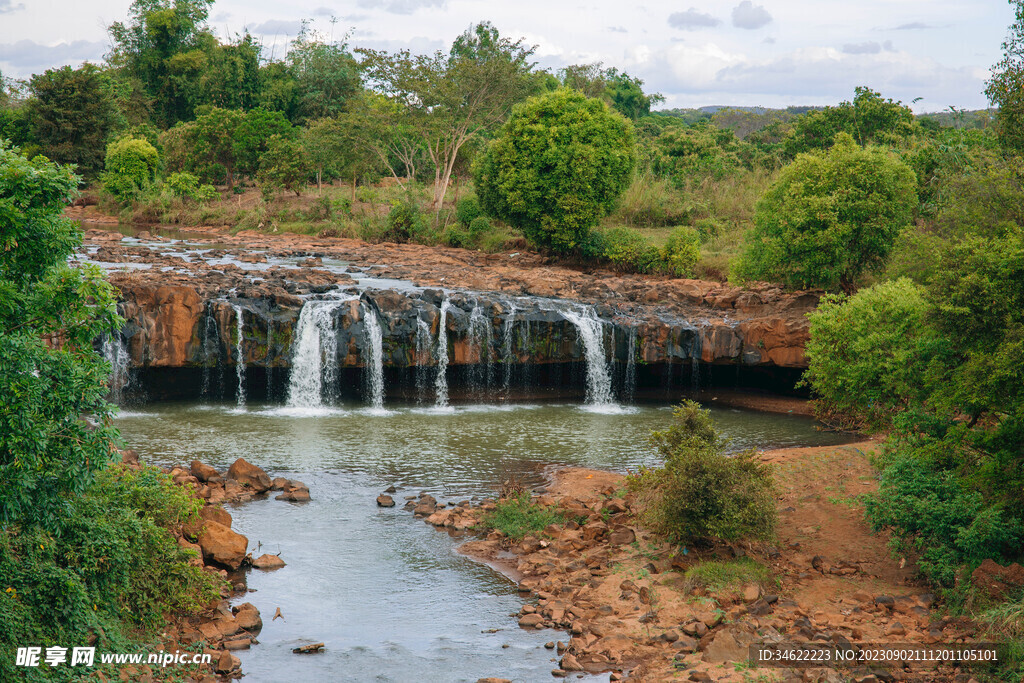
(203,472)
(215,513)
(385,501)
(268,562)
(222,545)
(296,495)
(247,474)
(729,645)
(530,620)
(248,617)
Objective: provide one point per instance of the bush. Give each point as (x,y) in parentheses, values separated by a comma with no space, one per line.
(650,202)
(867,354)
(405,223)
(556,167)
(829,218)
(593,246)
(681,252)
(186,186)
(630,251)
(708,228)
(701,492)
(519,517)
(456,236)
(467,210)
(478,226)
(933,510)
(131,166)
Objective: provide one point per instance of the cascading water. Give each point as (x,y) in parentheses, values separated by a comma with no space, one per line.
(630,384)
(316,341)
(239,354)
(374,364)
(424,347)
(507,345)
(441,380)
(479,338)
(599,382)
(116,353)
(209,349)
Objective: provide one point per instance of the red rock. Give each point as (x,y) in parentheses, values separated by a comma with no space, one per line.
(222,545)
(249,475)
(268,562)
(215,513)
(204,472)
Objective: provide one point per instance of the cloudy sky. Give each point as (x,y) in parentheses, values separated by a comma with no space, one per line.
(695,52)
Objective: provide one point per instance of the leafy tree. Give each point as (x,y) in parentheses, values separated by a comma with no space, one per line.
(830,217)
(251,137)
(207,143)
(868,353)
(165,49)
(450,99)
(284,165)
(326,76)
(278,90)
(622,92)
(869,119)
(131,167)
(72,114)
(558,165)
(51,380)
(328,146)
(231,79)
(380,129)
(1005,90)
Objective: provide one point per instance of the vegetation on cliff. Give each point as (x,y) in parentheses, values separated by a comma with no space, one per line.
(86,555)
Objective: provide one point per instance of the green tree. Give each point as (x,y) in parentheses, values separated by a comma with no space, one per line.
(618,89)
(869,119)
(557,166)
(204,145)
(284,165)
(251,137)
(55,428)
(326,76)
(165,49)
(72,114)
(830,217)
(131,167)
(329,148)
(1005,90)
(450,99)
(231,79)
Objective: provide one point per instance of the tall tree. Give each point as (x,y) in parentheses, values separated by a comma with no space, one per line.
(165,46)
(231,80)
(451,98)
(71,115)
(622,92)
(1005,90)
(326,76)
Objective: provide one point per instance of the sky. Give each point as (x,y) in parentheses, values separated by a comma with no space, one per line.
(696,53)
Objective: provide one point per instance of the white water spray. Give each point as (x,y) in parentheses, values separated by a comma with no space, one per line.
(374,365)
(239,355)
(506,344)
(441,381)
(599,382)
(316,341)
(116,353)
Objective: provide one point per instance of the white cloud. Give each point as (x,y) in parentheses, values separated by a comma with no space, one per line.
(275,27)
(691,20)
(7,6)
(868,48)
(750,16)
(28,53)
(401,6)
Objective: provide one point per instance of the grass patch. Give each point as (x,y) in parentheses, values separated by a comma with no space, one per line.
(519,517)
(716,575)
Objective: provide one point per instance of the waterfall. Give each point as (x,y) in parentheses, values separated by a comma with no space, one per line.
(209,349)
(116,353)
(374,364)
(441,381)
(506,345)
(599,383)
(480,337)
(315,341)
(240,355)
(424,347)
(630,385)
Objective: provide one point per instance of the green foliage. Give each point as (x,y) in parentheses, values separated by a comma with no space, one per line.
(701,151)
(131,167)
(701,491)
(519,517)
(937,514)
(558,165)
(652,202)
(72,114)
(326,76)
(113,572)
(1005,90)
(727,575)
(619,90)
(187,186)
(478,226)
(681,251)
(630,251)
(830,217)
(867,354)
(869,119)
(48,452)
(406,223)
(467,210)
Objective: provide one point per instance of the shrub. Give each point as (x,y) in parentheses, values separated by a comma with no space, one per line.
(131,166)
(726,575)
(650,202)
(456,236)
(681,252)
(556,167)
(594,245)
(519,517)
(467,210)
(701,492)
(829,218)
(478,226)
(708,228)
(186,186)
(405,223)
(628,249)
(867,354)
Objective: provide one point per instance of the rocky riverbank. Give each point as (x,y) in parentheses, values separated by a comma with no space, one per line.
(221,629)
(646,610)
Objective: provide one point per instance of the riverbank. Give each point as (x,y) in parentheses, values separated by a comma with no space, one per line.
(648,611)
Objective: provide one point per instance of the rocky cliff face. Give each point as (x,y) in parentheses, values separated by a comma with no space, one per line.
(219,308)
